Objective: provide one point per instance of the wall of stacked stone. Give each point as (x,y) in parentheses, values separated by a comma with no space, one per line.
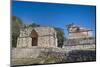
(57,55)
(35,51)
(47,41)
(80,41)
(46,37)
(24,53)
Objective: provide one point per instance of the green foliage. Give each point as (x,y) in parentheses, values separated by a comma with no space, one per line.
(69,25)
(16,25)
(78,29)
(60,36)
(34,25)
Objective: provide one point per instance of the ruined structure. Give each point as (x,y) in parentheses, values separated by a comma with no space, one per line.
(78,32)
(37,36)
(79,36)
(34,46)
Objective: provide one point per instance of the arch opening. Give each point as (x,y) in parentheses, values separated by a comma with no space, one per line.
(34,37)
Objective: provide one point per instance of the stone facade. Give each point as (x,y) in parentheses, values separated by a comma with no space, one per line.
(27,56)
(36,45)
(38,36)
(79,32)
(79,36)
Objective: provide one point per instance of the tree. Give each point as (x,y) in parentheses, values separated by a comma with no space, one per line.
(60,36)
(69,26)
(15,27)
(34,25)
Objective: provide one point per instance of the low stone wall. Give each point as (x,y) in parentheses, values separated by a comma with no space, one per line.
(24,53)
(80,47)
(80,41)
(35,51)
(37,55)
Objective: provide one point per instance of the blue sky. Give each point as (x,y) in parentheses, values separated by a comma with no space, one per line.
(57,15)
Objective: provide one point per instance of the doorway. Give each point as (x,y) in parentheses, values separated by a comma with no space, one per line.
(34,37)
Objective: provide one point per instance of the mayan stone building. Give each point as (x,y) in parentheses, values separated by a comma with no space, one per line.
(79,36)
(79,32)
(38,36)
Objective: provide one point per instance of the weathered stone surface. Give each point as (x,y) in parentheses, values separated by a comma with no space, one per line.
(24,42)
(46,37)
(35,51)
(78,32)
(37,55)
(39,46)
(80,41)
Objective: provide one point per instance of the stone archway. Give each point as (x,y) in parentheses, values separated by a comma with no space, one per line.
(34,37)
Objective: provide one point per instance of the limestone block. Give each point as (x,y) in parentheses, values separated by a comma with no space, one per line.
(46,37)
(24,42)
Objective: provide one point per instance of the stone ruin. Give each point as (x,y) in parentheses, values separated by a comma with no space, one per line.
(36,43)
(76,32)
(79,36)
(46,37)
(37,37)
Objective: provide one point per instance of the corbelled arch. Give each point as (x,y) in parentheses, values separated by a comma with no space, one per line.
(34,36)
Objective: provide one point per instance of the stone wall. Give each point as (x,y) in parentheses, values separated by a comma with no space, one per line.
(34,52)
(79,41)
(77,35)
(37,55)
(23,42)
(46,37)
(24,53)
(47,41)
(76,31)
